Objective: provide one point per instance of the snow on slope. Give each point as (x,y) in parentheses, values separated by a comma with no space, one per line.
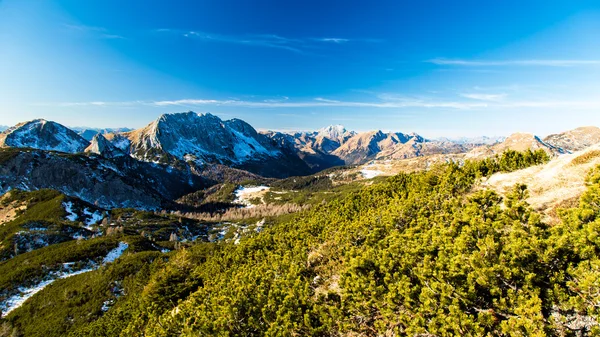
(115,253)
(101,146)
(199,137)
(43,135)
(71,216)
(24,294)
(243,195)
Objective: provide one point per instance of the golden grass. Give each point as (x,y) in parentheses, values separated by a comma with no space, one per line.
(586,157)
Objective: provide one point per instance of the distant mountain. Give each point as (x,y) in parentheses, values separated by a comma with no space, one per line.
(515,142)
(365,145)
(419,147)
(482,140)
(101,146)
(43,135)
(201,139)
(3,127)
(334,145)
(575,140)
(89,133)
(334,133)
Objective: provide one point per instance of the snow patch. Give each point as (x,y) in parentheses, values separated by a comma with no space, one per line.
(243,195)
(369,174)
(93,218)
(24,294)
(115,253)
(71,216)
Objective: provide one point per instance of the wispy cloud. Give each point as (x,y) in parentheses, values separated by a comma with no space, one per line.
(297,45)
(476,101)
(98,32)
(484,97)
(500,63)
(332,39)
(322,102)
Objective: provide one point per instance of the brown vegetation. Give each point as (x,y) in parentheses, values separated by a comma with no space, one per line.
(234,214)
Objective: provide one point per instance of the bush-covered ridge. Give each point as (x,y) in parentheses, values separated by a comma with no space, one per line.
(416,255)
(420,254)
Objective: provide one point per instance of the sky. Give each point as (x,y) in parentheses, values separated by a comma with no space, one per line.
(438,68)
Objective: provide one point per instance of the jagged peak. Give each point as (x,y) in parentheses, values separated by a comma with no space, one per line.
(416,137)
(101,146)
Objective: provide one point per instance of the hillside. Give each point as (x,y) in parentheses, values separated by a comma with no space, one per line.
(398,257)
(575,140)
(110,183)
(515,142)
(556,184)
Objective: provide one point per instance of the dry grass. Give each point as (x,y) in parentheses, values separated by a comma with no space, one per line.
(236,214)
(551,186)
(9,212)
(586,157)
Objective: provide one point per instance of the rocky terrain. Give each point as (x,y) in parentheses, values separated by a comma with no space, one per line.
(43,135)
(89,133)
(204,138)
(516,142)
(101,146)
(108,183)
(575,140)
(178,153)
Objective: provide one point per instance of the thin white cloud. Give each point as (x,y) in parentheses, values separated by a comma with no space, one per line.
(333,40)
(484,97)
(297,45)
(500,63)
(320,102)
(483,102)
(98,32)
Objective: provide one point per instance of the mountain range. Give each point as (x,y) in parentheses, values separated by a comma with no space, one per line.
(182,152)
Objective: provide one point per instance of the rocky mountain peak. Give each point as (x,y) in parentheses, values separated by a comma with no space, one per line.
(101,146)
(43,135)
(200,138)
(332,132)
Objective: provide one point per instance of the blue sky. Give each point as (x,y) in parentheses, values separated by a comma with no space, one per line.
(440,68)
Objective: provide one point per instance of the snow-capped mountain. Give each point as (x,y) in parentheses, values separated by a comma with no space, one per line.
(43,135)
(198,138)
(206,139)
(337,133)
(101,146)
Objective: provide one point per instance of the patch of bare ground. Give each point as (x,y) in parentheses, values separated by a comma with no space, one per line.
(557,184)
(10,211)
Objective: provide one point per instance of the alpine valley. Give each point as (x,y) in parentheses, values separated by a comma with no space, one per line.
(194,226)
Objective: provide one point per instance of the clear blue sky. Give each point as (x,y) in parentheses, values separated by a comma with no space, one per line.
(440,68)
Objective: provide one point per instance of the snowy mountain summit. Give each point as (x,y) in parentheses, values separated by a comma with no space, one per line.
(43,135)
(199,138)
(336,133)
